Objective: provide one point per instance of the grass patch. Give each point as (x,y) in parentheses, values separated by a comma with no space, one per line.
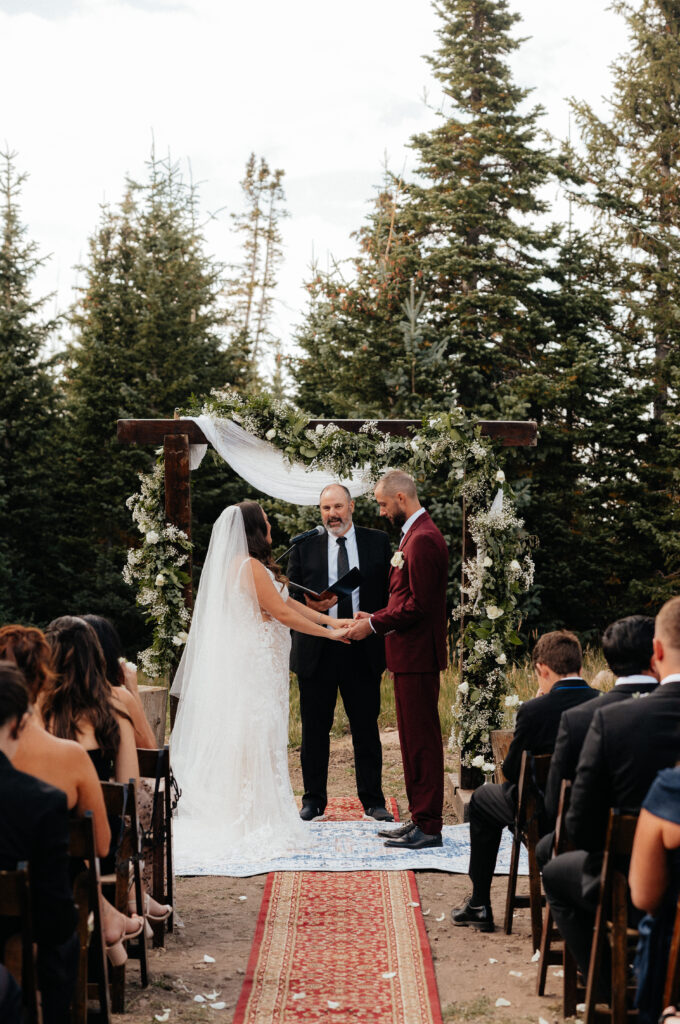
(475,1009)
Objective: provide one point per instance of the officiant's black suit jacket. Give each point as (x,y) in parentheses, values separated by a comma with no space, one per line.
(627,743)
(308,565)
(539,719)
(574,725)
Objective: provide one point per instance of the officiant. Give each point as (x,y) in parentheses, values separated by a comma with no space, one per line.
(355,670)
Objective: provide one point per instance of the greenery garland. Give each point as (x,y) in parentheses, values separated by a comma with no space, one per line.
(495,578)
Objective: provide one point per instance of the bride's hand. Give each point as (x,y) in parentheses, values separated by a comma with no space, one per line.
(343,623)
(339,634)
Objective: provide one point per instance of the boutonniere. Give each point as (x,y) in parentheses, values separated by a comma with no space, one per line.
(397,560)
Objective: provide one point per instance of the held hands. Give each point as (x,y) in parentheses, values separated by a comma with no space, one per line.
(361,627)
(339,634)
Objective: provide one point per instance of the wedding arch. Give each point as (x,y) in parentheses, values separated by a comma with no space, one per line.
(287,455)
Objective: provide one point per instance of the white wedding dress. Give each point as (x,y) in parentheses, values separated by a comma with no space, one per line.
(230,740)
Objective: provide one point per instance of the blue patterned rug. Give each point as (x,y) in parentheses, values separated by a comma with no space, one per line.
(354,846)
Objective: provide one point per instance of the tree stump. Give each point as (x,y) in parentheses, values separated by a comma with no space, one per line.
(154,701)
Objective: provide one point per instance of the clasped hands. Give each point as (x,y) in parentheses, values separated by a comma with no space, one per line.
(359,627)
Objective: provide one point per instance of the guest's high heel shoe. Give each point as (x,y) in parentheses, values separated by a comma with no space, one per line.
(153,910)
(116,951)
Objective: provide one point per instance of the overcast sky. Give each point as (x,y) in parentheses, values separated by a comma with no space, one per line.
(324,90)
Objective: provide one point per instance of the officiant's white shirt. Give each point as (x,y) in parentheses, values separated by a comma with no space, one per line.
(353,557)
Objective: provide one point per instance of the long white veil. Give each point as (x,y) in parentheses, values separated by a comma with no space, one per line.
(229,742)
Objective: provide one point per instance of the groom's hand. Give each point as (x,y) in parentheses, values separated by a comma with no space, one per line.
(362,615)
(361,627)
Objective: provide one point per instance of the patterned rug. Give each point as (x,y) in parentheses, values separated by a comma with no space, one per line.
(344,842)
(340,947)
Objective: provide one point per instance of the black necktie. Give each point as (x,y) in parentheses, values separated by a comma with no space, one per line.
(345,610)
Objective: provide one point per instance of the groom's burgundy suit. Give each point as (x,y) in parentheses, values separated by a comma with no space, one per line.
(414,627)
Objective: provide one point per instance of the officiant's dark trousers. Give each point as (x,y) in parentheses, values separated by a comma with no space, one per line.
(492,807)
(341,668)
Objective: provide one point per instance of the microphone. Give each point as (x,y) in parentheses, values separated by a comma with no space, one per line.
(303,536)
(308,533)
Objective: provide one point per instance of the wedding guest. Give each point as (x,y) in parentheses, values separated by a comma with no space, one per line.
(654,887)
(34,827)
(117,676)
(556,660)
(354,670)
(11,1010)
(627,743)
(627,647)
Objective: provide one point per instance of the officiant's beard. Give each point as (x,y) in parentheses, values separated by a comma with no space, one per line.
(337,526)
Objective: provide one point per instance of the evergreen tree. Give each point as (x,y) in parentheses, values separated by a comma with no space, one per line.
(631,178)
(29,421)
(149,328)
(250,291)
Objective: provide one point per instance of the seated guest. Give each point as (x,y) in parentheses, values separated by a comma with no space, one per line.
(59,762)
(627,646)
(556,659)
(11,1008)
(107,634)
(654,887)
(34,827)
(626,745)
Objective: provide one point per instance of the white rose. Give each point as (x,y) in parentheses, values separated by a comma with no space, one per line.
(488,767)
(478,761)
(463,687)
(512,701)
(493,612)
(160,580)
(180,638)
(515,566)
(397,560)
(152,537)
(488,562)
(500,476)
(502,658)
(460,473)
(271,434)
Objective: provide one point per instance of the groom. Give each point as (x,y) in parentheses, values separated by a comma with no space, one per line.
(414,627)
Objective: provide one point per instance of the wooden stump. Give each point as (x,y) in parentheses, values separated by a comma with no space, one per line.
(155,701)
(500,744)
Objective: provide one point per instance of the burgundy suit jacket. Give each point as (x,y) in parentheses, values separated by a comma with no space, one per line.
(414,621)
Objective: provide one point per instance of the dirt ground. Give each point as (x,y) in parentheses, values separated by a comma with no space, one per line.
(472,970)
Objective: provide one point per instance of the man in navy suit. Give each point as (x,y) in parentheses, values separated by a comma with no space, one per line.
(355,671)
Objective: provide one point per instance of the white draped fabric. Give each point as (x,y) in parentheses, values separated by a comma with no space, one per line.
(265,467)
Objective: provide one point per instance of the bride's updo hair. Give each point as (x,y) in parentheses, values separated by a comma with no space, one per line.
(256,535)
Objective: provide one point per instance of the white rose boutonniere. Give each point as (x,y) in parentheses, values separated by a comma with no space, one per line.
(397,560)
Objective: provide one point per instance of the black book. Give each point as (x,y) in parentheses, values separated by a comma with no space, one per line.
(341,588)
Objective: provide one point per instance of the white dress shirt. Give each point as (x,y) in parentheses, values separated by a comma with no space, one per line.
(639,678)
(673,678)
(409,523)
(353,558)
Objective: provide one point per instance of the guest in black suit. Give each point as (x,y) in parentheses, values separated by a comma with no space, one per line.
(354,670)
(627,647)
(626,745)
(11,1011)
(557,659)
(34,827)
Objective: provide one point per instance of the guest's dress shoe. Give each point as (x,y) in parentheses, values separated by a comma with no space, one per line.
(310,812)
(396,833)
(416,839)
(479,917)
(377,814)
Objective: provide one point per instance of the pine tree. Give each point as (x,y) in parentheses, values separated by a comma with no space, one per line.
(631,178)
(250,291)
(149,328)
(29,421)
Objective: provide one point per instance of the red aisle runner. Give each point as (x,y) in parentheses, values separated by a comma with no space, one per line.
(340,946)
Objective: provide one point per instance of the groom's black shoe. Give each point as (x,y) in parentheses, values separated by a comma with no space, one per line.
(416,839)
(378,814)
(310,812)
(397,833)
(479,917)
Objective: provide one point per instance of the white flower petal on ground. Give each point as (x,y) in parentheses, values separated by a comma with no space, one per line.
(542,1020)
(162,1017)
(536,957)
(199,999)
(440,918)
(218,1006)
(242,898)
(332,1005)
(425,913)
(389,974)
(502,1002)
(211,995)
(207,959)
(414,904)
(298,995)
(492,960)
(558,974)
(515,974)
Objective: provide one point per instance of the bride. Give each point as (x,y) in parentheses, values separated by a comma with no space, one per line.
(230,740)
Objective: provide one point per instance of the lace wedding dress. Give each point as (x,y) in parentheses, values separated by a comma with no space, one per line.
(230,740)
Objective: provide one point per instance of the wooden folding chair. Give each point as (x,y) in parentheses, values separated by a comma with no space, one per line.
(572,992)
(157,842)
(93,980)
(611,927)
(19,951)
(532,779)
(121,804)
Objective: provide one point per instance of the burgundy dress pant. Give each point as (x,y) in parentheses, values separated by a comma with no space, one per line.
(420,735)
